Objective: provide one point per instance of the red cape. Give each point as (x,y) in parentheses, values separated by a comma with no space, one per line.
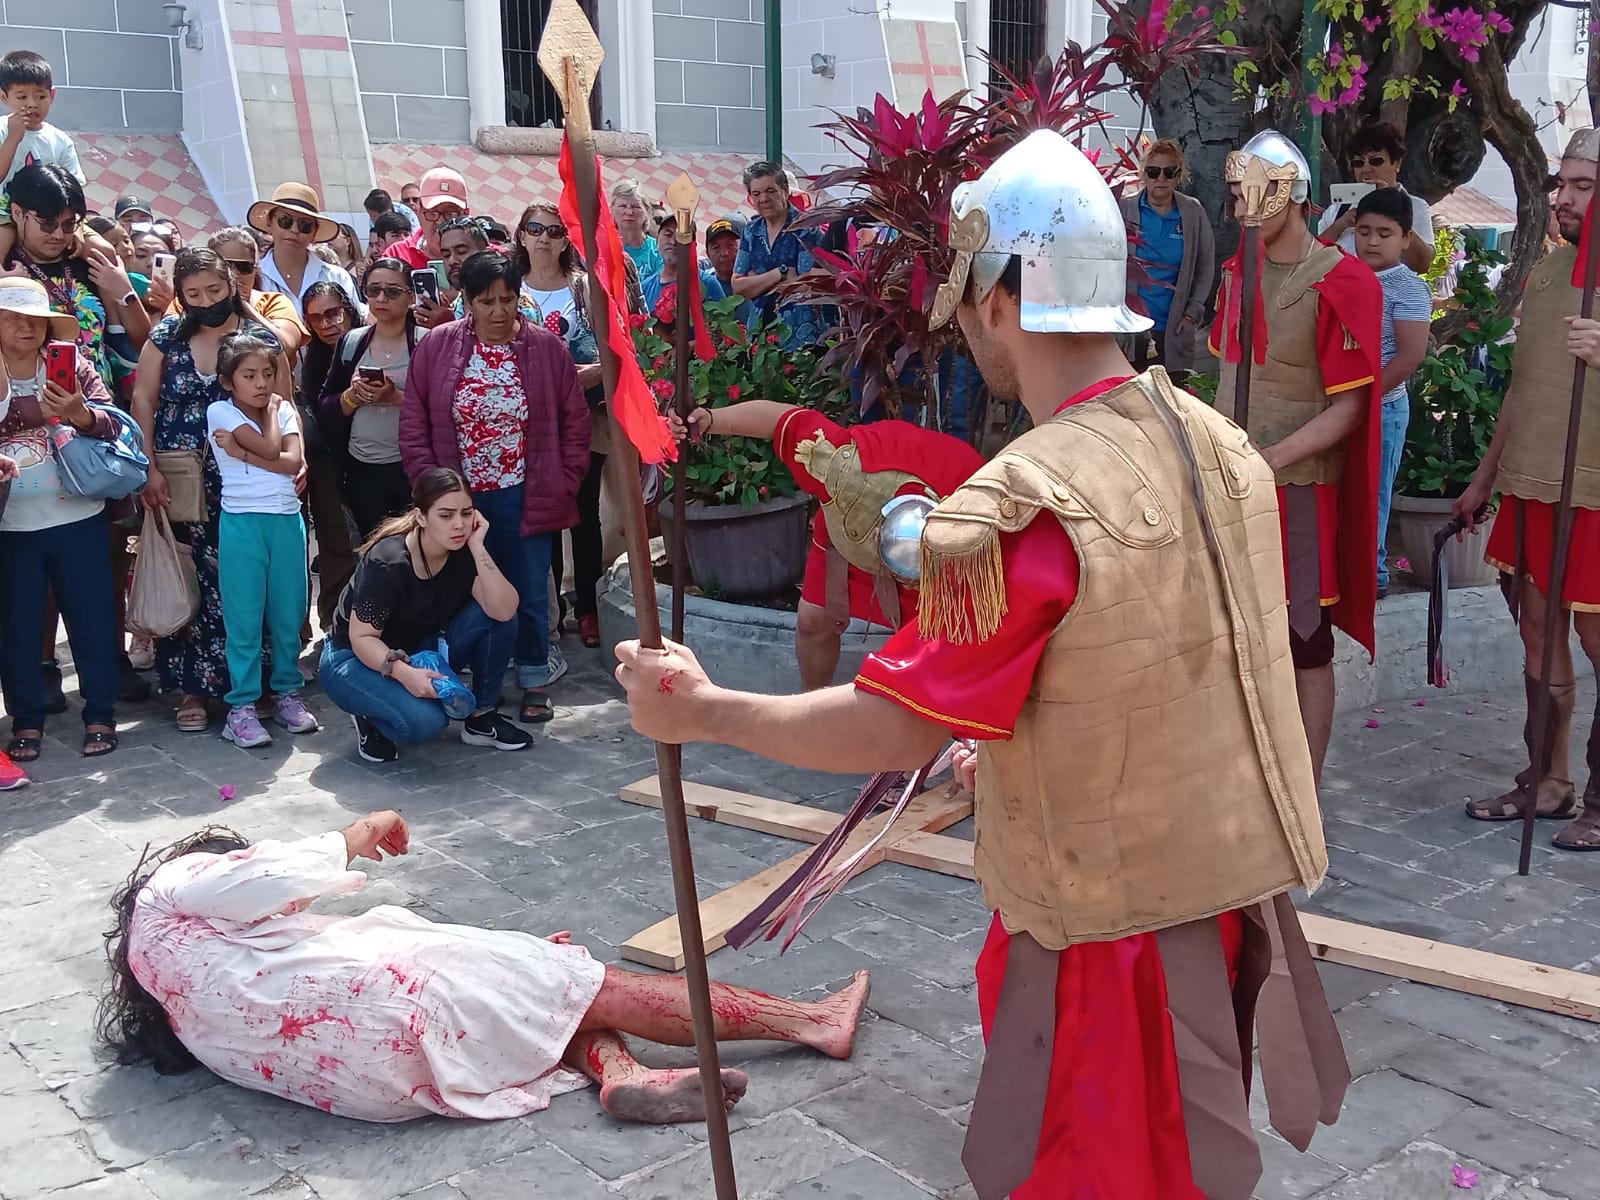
(1354,294)
(1356,297)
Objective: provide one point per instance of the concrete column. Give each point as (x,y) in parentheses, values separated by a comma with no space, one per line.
(635,50)
(977,46)
(486,69)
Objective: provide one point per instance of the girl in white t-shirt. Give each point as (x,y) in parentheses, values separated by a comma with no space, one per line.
(261,558)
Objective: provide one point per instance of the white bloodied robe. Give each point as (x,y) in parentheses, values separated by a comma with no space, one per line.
(384,1016)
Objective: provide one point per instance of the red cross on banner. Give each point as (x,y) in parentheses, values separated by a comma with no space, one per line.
(291,41)
(924,56)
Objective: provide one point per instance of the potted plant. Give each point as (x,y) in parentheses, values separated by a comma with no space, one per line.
(1455,398)
(747,527)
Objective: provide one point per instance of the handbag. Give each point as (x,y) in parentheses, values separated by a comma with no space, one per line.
(186,480)
(103,468)
(165,594)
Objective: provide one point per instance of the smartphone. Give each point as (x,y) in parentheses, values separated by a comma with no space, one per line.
(161,266)
(437,267)
(371,375)
(426,286)
(1349,193)
(61,365)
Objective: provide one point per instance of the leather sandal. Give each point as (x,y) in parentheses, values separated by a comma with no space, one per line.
(1584,833)
(1508,807)
(589,630)
(97,743)
(535,707)
(25,747)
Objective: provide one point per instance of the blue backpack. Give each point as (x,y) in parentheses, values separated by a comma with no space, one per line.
(99,469)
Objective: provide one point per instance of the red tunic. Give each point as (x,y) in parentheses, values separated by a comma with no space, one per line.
(1581,592)
(1113,1124)
(942,462)
(1349,355)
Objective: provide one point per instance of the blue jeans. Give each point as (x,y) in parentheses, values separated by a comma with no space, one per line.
(1396,416)
(526,563)
(72,561)
(476,641)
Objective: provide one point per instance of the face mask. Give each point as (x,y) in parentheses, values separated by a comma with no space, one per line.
(213,315)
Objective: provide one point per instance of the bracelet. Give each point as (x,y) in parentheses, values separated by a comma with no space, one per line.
(129,298)
(394,656)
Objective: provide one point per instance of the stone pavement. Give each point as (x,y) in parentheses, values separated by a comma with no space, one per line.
(538,841)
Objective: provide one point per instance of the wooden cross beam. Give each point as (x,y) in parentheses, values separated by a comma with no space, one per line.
(916,841)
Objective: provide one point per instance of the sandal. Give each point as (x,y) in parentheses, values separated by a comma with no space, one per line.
(193,716)
(535,707)
(1582,834)
(97,743)
(1509,808)
(25,747)
(589,630)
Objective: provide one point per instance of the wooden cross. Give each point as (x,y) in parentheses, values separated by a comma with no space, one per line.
(916,841)
(292,41)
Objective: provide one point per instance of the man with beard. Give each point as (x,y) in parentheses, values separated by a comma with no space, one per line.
(1101,609)
(1524,464)
(1315,414)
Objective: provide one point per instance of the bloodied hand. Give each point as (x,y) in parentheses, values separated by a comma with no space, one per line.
(664,687)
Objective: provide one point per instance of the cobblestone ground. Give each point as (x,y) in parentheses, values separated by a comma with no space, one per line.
(538,841)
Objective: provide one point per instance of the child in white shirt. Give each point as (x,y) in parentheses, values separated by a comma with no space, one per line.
(25,136)
(261,556)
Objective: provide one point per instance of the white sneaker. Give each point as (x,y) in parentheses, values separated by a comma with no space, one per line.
(142,653)
(557,665)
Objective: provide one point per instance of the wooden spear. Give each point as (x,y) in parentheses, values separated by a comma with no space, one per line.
(570,56)
(1541,716)
(683,198)
(1254,188)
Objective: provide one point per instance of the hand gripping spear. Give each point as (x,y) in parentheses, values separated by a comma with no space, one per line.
(683,198)
(570,56)
(1589,247)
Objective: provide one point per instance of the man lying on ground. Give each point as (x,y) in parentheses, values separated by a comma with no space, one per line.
(387,1016)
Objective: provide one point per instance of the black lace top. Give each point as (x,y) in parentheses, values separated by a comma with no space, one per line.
(387,594)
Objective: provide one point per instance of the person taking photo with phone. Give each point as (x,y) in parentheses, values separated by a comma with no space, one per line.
(1377,152)
(362,394)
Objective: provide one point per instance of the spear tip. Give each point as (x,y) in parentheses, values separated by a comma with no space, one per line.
(569,36)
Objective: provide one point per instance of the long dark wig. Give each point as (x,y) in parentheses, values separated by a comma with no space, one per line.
(130,1021)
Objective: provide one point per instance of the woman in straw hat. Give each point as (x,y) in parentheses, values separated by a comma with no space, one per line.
(50,538)
(294,222)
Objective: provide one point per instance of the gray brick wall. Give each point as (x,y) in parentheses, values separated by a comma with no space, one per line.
(115,62)
(710,82)
(411,67)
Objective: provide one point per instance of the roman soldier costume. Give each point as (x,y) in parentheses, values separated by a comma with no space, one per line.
(1316,336)
(1102,609)
(1521,544)
(854,472)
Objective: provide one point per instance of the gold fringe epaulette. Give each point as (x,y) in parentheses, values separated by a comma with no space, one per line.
(963,595)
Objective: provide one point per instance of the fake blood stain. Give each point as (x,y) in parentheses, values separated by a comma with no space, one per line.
(669,683)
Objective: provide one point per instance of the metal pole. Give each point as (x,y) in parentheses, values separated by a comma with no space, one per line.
(774,20)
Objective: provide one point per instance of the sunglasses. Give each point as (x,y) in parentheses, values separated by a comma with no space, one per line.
(334,316)
(286,221)
(443,212)
(386,291)
(1162,172)
(241,266)
(1371,160)
(535,229)
(63,224)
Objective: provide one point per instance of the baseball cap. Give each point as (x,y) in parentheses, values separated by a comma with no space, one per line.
(130,204)
(441,185)
(732,223)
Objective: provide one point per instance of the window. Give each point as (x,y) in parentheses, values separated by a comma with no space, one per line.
(1016,34)
(530,100)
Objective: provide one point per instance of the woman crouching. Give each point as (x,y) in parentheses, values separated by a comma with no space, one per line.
(387,1016)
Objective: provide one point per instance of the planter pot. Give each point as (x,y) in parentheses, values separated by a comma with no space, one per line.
(1415,520)
(738,553)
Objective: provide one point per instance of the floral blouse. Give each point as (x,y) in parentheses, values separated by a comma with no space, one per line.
(491,417)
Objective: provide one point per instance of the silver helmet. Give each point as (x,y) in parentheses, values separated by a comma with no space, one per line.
(1044,200)
(1584,144)
(1271,172)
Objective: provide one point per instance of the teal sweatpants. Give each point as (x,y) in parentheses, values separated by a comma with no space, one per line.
(261,569)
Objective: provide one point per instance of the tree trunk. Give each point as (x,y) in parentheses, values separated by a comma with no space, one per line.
(1594,62)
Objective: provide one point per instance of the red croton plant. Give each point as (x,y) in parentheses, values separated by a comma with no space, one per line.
(906,165)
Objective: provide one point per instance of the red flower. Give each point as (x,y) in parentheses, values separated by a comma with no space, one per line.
(733,392)
(772,339)
(662,388)
(788,368)
(638,320)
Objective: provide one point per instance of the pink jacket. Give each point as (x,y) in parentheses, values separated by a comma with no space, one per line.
(557,437)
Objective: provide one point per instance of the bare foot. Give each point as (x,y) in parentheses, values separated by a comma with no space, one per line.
(666,1097)
(838,1017)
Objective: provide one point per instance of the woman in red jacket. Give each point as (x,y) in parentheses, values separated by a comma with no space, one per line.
(497,398)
